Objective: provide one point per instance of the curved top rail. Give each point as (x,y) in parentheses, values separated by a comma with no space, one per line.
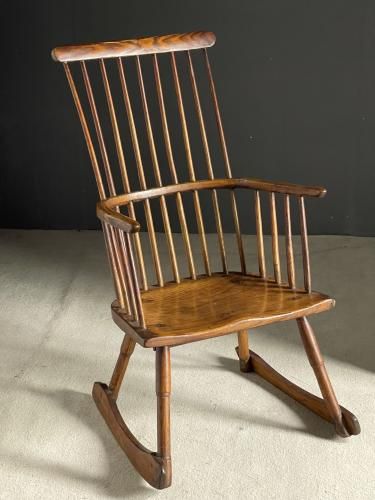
(136,47)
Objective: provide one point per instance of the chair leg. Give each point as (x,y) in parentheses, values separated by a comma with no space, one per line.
(154,467)
(346,424)
(163,391)
(126,351)
(243,351)
(316,361)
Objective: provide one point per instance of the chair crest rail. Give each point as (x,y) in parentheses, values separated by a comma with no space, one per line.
(135,47)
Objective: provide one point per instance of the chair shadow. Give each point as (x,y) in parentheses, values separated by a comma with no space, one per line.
(119,480)
(313,424)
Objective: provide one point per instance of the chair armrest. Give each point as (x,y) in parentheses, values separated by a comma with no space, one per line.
(116,219)
(106,209)
(282,187)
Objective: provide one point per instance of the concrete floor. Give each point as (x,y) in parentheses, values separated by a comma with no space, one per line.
(233,436)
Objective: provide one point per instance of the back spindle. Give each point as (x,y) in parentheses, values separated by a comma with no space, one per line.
(289,243)
(141,175)
(259,231)
(98,129)
(134,278)
(189,158)
(228,169)
(155,163)
(172,168)
(275,239)
(305,244)
(123,168)
(207,155)
(117,274)
(86,132)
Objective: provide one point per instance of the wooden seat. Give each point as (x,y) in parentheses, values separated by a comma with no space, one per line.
(219,304)
(151,311)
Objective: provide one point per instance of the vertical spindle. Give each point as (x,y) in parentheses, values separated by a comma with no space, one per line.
(207,155)
(123,169)
(167,141)
(289,243)
(197,206)
(228,169)
(86,132)
(305,245)
(275,239)
(142,179)
(98,128)
(259,230)
(155,163)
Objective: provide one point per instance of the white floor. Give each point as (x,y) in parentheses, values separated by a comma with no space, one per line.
(233,436)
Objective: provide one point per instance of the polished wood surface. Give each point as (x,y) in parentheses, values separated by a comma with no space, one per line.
(150,310)
(141,46)
(199,309)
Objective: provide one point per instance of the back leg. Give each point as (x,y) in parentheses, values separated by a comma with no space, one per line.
(346,424)
(243,351)
(316,361)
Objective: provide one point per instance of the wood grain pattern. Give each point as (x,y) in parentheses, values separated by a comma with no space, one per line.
(200,309)
(138,47)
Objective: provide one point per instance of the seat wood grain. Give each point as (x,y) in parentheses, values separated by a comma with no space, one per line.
(218,305)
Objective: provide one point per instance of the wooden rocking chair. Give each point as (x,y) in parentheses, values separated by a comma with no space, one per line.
(192,306)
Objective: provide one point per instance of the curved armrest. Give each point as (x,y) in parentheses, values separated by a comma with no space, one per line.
(283,187)
(105,208)
(116,219)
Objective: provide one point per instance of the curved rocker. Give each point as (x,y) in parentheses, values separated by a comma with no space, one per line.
(346,424)
(154,467)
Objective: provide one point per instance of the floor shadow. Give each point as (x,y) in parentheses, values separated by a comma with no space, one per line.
(312,423)
(118,480)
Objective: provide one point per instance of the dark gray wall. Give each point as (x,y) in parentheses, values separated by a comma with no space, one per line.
(296,81)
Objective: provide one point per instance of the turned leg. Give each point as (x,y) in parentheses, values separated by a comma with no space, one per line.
(316,361)
(126,351)
(163,391)
(243,351)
